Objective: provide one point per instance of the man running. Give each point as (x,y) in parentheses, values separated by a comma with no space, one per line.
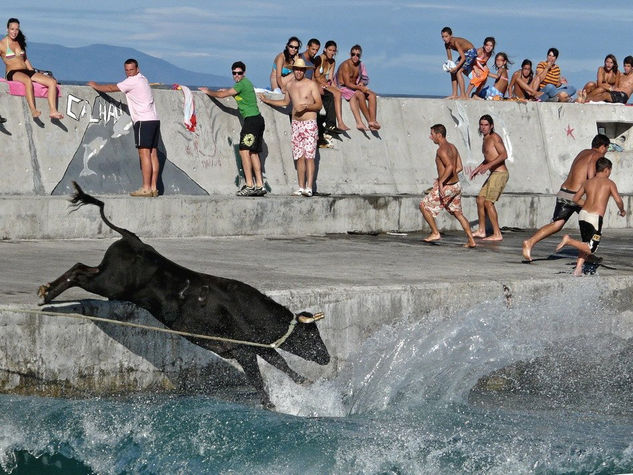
(582,168)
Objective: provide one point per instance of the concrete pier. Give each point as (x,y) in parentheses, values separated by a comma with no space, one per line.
(327,253)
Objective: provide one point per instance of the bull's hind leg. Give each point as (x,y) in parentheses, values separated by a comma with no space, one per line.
(78,275)
(278,362)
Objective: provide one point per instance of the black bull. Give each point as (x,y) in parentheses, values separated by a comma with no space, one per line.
(193,302)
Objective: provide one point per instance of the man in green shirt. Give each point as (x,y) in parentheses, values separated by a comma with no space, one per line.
(252,133)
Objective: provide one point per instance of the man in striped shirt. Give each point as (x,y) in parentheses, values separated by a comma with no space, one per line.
(553,86)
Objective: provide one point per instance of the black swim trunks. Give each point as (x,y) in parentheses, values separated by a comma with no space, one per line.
(619,97)
(588,230)
(146,133)
(252,133)
(565,205)
(28,72)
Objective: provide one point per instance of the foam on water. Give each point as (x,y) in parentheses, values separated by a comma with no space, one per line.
(401,406)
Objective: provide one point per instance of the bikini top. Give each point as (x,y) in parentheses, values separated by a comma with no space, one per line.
(12,54)
(327,72)
(284,71)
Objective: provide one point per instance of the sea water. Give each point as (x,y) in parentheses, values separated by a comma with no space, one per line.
(403,404)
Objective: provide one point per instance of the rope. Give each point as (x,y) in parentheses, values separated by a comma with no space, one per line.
(275,344)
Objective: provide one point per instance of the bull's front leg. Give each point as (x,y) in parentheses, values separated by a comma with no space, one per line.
(71,278)
(248,361)
(278,362)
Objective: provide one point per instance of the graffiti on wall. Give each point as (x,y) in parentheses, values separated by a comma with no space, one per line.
(106,160)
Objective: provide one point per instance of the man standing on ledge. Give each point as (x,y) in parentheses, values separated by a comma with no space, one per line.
(446,192)
(252,133)
(494,161)
(140,102)
(306,103)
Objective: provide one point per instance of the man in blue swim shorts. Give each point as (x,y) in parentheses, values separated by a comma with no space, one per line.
(467,55)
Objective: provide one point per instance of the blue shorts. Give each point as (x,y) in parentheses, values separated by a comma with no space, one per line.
(471,55)
(146,133)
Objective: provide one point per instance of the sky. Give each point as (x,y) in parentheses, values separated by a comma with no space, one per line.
(402,46)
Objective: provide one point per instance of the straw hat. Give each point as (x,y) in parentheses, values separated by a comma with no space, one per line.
(300,63)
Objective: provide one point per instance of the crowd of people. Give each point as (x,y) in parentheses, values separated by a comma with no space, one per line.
(310,81)
(545,83)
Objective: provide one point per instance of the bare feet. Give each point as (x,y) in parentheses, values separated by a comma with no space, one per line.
(494,237)
(470,244)
(450,97)
(374,125)
(343,127)
(563,242)
(432,237)
(480,233)
(527,249)
(56,115)
(36,113)
(362,127)
(578,273)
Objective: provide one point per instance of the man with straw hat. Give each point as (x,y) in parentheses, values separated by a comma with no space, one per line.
(306,103)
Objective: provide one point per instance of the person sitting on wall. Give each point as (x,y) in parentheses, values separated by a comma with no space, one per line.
(352,79)
(548,77)
(620,92)
(606,78)
(282,65)
(522,86)
(19,68)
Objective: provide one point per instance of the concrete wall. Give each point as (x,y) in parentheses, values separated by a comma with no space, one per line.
(94,146)
(62,356)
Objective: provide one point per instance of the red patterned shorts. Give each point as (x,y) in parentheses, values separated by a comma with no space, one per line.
(305,134)
(451,201)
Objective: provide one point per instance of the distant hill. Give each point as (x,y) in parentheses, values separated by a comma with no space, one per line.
(104,63)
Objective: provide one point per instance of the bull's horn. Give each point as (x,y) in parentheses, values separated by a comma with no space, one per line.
(313,318)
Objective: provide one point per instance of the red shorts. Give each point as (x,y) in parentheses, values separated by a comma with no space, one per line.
(305,134)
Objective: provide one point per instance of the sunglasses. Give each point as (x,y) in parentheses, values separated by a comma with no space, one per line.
(237,73)
(356,54)
(293,46)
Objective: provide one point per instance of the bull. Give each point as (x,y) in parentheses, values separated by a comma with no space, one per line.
(202,304)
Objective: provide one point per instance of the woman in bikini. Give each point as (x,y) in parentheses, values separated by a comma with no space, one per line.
(19,68)
(498,90)
(607,78)
(282,65)
(324,75)
(521,84)
(480,70)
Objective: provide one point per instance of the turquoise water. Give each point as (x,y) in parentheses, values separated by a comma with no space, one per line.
(403,406)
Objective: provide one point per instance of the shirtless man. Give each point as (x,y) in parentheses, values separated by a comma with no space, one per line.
(582,168)
(467,55)
(598,190)
(306,103)
(353,89)
(620,92)
(446,192)
(495,155)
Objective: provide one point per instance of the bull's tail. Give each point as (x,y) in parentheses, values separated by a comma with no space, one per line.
(79,199)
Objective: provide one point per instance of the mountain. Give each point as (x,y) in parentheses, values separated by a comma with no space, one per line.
(104,63)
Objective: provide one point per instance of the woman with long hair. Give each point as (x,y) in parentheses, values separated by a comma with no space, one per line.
(606,79)
(324,75)
(282,65)
(522,85)
(19,68)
